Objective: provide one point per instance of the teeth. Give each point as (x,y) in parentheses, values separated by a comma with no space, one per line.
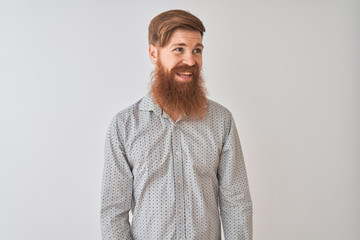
(185,74)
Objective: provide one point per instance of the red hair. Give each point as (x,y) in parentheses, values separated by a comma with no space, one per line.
(161,26)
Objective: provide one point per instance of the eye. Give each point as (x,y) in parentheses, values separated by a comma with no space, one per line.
(178,50)
(197,50)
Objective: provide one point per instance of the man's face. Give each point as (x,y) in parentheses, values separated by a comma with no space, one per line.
(177,83)
(183,49)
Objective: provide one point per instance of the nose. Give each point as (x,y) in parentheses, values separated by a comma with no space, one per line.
(189,59)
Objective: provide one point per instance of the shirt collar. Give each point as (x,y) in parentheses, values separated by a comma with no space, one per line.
(148,104)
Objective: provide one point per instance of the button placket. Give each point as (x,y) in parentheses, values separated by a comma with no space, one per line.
(180,218)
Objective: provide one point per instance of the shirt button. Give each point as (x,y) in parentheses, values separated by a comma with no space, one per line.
(178,181)
(180,210)
(177,153)
(175,125)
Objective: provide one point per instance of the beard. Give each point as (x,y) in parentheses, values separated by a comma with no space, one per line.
(187,98)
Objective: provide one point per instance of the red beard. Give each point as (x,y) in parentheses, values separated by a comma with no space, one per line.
(187,98)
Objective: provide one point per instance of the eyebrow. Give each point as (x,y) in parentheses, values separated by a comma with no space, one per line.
(183,44)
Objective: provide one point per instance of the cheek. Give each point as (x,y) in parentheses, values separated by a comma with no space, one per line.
(198,60)
(170,62)
(175,63)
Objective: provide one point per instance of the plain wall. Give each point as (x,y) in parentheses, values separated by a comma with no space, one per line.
(288,71)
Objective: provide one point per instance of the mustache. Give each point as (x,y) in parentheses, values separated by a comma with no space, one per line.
(186,68)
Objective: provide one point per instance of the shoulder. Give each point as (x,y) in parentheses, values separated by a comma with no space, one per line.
(217,110)
(128,111)
(219,115)
(127,114)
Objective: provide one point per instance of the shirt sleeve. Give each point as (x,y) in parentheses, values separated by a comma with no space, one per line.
(116,194)
(234,195)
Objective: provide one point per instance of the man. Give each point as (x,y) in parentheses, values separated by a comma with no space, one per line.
(174,158)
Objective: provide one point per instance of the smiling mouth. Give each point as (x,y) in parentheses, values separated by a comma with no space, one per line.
(185,75)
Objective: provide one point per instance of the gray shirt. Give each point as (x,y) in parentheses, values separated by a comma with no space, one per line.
(177,178)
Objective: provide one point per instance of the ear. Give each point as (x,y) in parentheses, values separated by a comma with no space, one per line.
(153,53)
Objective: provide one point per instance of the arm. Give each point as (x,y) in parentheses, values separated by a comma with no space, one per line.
(234,195)
(116,194)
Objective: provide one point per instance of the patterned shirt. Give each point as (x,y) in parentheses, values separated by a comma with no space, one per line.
(177,177)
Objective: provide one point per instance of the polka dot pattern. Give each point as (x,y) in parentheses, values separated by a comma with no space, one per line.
(178,178)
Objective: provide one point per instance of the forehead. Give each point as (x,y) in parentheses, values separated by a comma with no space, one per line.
(181,35)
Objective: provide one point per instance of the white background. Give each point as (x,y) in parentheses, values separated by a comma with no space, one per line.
(288,71)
